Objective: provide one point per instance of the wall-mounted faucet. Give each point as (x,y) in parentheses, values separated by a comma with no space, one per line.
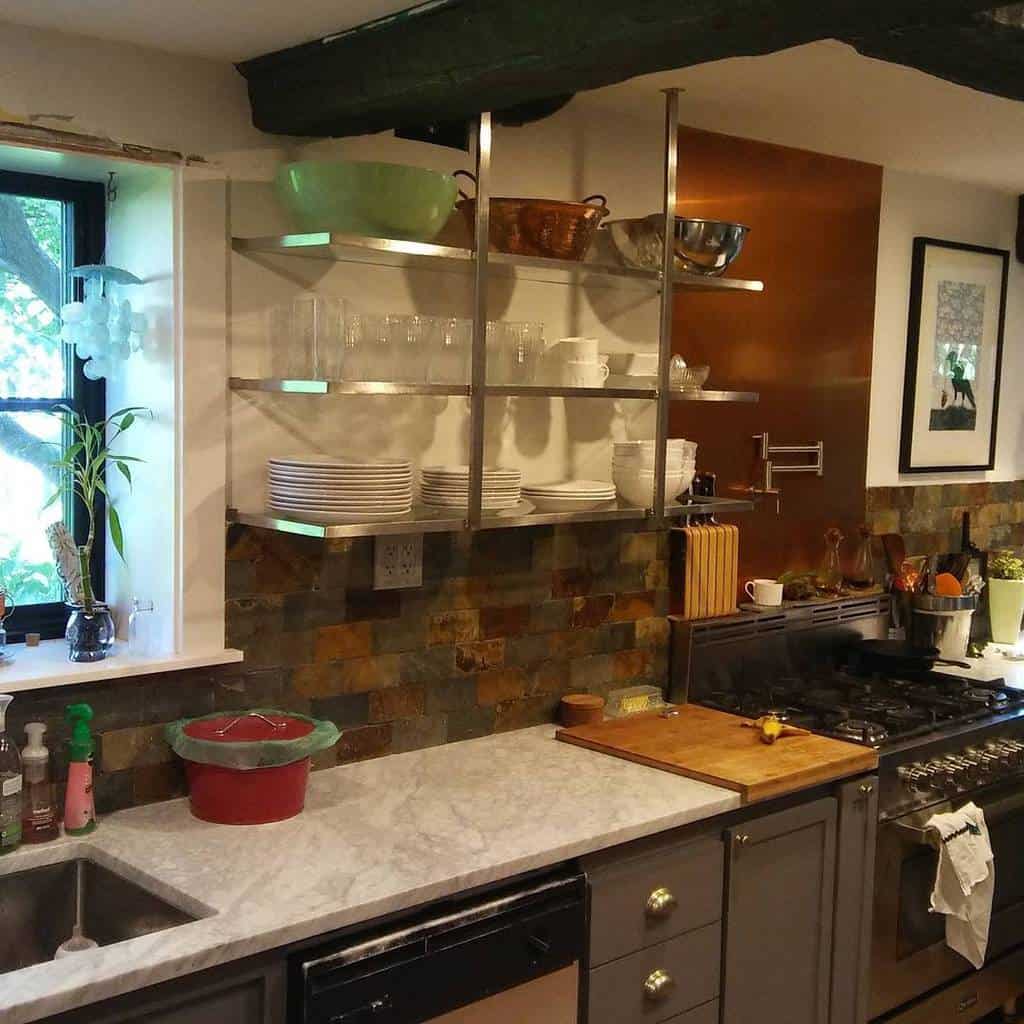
(768,453)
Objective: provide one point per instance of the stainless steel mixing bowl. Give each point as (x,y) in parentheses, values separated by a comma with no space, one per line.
(704,247)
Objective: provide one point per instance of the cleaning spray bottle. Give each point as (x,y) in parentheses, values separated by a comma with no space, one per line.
(10,784)
(79,808)
(38,813)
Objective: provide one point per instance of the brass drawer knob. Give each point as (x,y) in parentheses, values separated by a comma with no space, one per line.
(867,789)
(661,903)
(658,985)
(742,839)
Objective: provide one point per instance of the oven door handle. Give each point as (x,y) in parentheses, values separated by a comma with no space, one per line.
(919,833)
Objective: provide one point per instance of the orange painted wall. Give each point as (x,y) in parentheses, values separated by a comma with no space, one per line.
(804,343)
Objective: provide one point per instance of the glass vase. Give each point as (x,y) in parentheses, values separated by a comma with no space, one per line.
(90,632)
(829,578)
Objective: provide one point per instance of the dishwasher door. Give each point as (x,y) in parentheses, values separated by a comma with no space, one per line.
(511,955)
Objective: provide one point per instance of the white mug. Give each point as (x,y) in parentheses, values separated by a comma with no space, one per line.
(579,374)
(764,592)
(577,350)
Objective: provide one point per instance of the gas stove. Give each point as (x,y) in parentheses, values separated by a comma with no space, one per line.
(938,735)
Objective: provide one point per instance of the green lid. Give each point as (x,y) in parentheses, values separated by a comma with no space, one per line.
(82,745)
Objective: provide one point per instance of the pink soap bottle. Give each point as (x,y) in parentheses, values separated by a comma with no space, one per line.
(79,808)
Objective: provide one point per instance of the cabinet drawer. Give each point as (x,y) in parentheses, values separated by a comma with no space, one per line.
(706,1014)
(653,897)
(685,969)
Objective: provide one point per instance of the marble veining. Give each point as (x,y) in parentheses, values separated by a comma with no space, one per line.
(375,837)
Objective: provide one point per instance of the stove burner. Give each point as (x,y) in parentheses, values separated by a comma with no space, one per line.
(870,707)
(986,698)
(860,730)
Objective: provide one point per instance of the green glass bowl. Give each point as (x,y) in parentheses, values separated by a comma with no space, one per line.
(364,198)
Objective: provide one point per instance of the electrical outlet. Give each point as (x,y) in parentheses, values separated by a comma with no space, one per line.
(398,561)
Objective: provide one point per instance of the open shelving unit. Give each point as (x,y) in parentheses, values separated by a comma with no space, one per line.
(484,265)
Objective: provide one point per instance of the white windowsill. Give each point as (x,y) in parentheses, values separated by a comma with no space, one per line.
(36,668)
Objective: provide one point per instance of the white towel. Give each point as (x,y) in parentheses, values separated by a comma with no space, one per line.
(965,880)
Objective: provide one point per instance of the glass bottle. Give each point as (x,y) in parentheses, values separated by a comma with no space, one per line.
(141,625)
(862,571)
(829,578)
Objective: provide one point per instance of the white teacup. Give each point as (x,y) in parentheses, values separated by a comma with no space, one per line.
(764,592)
(577,350)
(579,374)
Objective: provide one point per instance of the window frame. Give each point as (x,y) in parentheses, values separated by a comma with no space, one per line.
(83,243)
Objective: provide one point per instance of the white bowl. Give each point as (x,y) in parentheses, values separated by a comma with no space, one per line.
(638,488)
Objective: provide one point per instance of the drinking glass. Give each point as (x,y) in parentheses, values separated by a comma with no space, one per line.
(450,358)
(306,337)
(380,352)
(497,352)
(354,359)
(411,341)
(524,343)
(142,628)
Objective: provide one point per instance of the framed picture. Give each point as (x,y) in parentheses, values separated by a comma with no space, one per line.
(954,357)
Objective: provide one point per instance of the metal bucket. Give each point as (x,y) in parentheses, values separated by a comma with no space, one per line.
(942,622)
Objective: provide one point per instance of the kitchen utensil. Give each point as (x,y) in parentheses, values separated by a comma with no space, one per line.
(249,769)
(942,624)
(367,198)
(580,709)
(636,486)
(705,247)
(538,227)
(710,745)
(710,567)
(897,656)
(767,593)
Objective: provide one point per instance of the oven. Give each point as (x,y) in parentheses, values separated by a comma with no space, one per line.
(910,958)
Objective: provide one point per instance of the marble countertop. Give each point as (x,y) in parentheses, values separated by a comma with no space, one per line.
(376,837)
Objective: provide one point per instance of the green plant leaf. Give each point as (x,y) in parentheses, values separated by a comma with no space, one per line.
(53,497)
(126,421)
(125,472)
(116,534)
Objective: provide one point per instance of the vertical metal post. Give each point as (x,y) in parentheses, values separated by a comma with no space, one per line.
(478,378)
(666,296)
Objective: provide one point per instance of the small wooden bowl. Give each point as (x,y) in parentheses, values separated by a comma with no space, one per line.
(580,709)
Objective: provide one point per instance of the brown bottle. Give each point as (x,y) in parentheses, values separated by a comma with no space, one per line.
(862,572)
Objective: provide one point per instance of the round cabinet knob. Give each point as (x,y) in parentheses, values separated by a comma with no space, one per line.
(661,903)
(658,985)
(742,839)
(866,789)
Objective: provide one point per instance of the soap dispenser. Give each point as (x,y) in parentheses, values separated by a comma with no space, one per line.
(10,784)
(79,807)
(38,813)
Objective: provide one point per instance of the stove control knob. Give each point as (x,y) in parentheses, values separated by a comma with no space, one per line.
(984,762)
(915,775)
(1006,757)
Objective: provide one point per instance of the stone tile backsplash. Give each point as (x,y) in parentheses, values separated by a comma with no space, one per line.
(505,623)
(929,516)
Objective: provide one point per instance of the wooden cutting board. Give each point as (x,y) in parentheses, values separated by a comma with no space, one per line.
(714,747)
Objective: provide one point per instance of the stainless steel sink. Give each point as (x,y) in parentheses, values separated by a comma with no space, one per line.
(39,907)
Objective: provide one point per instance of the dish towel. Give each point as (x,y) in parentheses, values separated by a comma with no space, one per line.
(965,880)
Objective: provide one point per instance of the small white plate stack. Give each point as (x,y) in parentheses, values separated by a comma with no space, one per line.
(325,489)
(448,487)
(569,495)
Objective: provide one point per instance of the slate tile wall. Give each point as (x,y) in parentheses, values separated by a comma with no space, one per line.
(505,623)
(930,516)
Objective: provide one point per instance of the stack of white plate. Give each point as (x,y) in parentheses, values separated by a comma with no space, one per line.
(448,487)
(569,495)
(325,489)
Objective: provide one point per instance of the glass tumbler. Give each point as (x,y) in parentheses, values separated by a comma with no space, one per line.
(523,343)
(450,356)
(142,628)
(306,338)
(412,338)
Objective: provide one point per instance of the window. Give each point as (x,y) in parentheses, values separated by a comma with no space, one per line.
(47,227)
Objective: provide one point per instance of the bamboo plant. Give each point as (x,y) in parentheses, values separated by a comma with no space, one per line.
(83,468)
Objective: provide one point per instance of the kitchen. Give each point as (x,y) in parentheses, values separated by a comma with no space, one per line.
(446,801)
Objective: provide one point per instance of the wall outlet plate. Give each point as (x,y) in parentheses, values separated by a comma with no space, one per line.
(398,561)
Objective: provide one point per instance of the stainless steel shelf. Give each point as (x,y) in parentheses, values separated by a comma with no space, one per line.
(395,252)
(344,387)
(699,505)
(544,391)
(420,520)
(703,395)
(497,522)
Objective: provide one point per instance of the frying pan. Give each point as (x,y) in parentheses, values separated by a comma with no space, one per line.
(900,656)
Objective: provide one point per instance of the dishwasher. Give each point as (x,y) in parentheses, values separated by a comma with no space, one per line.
(505,956)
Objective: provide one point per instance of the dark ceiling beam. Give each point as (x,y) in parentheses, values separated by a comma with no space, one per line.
(986,55)
(451,60)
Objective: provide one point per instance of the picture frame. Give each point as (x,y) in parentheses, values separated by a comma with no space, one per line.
(954,357)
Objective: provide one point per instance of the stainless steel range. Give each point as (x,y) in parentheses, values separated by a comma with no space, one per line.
(942,740)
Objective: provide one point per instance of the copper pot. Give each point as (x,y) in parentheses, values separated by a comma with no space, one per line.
(538,227)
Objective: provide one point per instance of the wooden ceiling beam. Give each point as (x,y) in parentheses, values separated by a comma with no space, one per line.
(449,60)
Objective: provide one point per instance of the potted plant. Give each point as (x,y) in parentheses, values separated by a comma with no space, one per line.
(1005,596)
(82,467)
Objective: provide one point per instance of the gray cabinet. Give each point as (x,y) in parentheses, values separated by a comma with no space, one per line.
(252,992)
(780,876)
(855,873)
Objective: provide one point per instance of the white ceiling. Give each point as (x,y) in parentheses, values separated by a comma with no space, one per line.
(220,29)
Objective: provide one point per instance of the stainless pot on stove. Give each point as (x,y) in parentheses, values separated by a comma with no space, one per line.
(943,623)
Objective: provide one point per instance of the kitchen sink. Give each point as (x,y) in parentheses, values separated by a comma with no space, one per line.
(39,907)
